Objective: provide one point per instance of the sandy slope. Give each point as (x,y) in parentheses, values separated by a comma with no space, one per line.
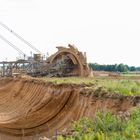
(31,108)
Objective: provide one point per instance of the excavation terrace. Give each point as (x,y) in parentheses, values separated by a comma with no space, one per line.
(32,108)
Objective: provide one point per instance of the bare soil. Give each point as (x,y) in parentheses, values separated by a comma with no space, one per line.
(31,109)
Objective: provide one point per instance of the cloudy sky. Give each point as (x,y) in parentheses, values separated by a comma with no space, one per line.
(108,30)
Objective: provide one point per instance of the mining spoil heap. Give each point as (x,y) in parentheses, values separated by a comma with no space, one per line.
(32,108)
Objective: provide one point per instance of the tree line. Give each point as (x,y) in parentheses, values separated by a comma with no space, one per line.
(114,68)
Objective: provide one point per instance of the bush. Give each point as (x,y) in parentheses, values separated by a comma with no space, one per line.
(106,126)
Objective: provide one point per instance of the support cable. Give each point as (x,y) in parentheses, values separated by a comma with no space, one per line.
(21,38)
(12,45)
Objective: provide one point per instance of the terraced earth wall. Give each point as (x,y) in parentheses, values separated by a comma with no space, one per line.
(31,108)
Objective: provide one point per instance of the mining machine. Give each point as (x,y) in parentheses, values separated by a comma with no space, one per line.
(67,61)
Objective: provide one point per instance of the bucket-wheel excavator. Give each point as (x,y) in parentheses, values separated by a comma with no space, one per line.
(67,61)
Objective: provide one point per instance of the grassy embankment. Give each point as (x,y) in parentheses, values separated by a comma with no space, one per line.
(125,85)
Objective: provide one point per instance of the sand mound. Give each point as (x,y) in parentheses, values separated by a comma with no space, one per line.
(31,108)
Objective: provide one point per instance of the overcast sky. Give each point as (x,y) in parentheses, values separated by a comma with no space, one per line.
(108,30)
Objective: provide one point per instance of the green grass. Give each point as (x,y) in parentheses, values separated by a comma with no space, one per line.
(131,74)
(123,85)
(72,80)
(126,87)
(105,126)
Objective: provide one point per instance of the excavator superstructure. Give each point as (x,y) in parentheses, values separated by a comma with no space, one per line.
(67,61)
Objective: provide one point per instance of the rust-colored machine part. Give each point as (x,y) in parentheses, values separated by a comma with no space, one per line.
(68,61)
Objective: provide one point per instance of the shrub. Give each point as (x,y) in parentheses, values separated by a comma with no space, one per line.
(106,126)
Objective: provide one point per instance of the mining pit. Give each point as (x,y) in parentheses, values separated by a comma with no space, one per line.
(31,109)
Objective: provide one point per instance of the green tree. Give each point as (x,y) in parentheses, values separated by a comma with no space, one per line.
(122,68)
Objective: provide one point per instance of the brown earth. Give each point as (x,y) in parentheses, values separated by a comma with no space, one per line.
(105,74)
(31,108)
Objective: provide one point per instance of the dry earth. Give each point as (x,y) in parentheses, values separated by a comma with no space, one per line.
(31,109)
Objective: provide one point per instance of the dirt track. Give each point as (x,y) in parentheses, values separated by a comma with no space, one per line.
(31,108)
